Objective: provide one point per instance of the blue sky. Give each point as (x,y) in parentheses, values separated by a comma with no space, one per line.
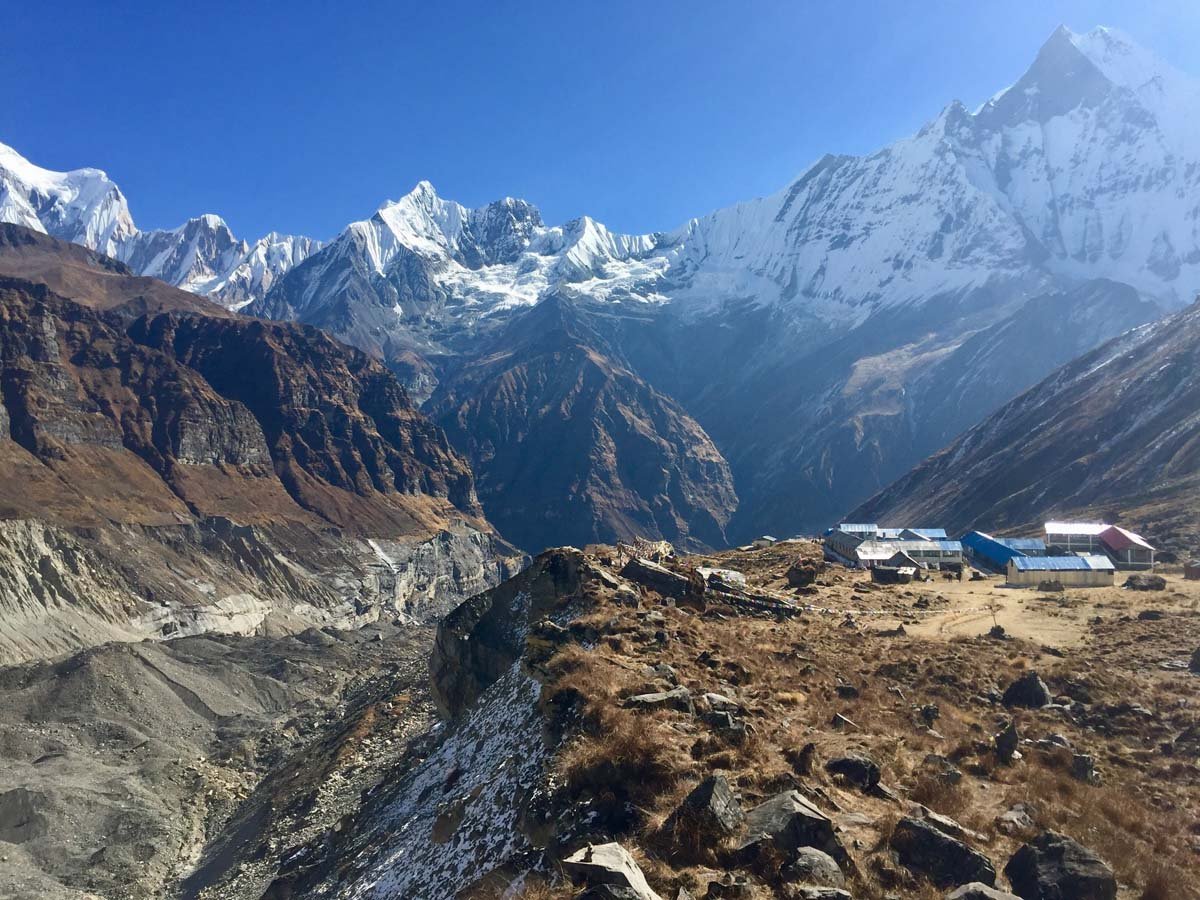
(305,116)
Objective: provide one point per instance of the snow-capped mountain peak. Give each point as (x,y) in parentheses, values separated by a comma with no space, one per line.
(1124,62)
(85,207)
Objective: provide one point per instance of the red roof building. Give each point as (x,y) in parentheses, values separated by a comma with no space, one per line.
(1126,549)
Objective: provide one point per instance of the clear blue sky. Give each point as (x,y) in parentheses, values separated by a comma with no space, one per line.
(305,116)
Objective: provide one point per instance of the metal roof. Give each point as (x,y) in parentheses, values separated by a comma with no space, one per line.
(1062,563)
(937,534)
(1021,543)
(853,528)
(1117,538)
(874,548)
(1081,528)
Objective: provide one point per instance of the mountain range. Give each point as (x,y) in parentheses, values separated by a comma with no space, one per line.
(764,367)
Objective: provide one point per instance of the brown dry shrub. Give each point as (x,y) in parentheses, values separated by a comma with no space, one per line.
(886,826)
(628,760)
(941,796)
(1165,882)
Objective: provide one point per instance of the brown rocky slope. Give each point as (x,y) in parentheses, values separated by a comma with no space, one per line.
(822,742)
(569,445)
(209,462)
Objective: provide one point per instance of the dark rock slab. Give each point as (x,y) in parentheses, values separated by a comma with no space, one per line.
(707,816)
(787,822)
(857,768)
(1028,691)
(946,861)
(1054,867)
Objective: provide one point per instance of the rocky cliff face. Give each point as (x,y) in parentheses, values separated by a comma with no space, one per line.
(345,441)
(628,460)
(1112,435)
(289,476)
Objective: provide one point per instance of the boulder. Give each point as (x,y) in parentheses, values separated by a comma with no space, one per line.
(1015,820)
(1143,582)
(609,892)
(1194,664)
(609,865)
(657,578)
(1006,741)
(818,892)
(679,698)
(1054,867)
(944,860)
(1028,691)
(856,768)
(734,887)
(785,823)
(977,890)
(707,816)
(814,867)
(804,572)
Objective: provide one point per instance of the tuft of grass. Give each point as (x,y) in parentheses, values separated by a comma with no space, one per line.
(941,796)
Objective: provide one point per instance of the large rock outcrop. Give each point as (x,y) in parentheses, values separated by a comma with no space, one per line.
(1054,867)
(481,640)
(217,471)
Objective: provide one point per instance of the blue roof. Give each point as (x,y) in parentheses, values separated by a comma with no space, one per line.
(1062,563)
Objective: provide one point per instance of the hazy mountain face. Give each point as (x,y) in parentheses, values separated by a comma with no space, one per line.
(826,337)
(1113,435)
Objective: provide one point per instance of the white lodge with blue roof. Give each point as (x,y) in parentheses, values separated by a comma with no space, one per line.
(1069,571)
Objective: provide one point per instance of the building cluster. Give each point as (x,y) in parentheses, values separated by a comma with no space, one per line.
(1074,554)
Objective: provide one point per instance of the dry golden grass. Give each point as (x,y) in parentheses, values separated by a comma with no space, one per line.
(941,796)
(785,675)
